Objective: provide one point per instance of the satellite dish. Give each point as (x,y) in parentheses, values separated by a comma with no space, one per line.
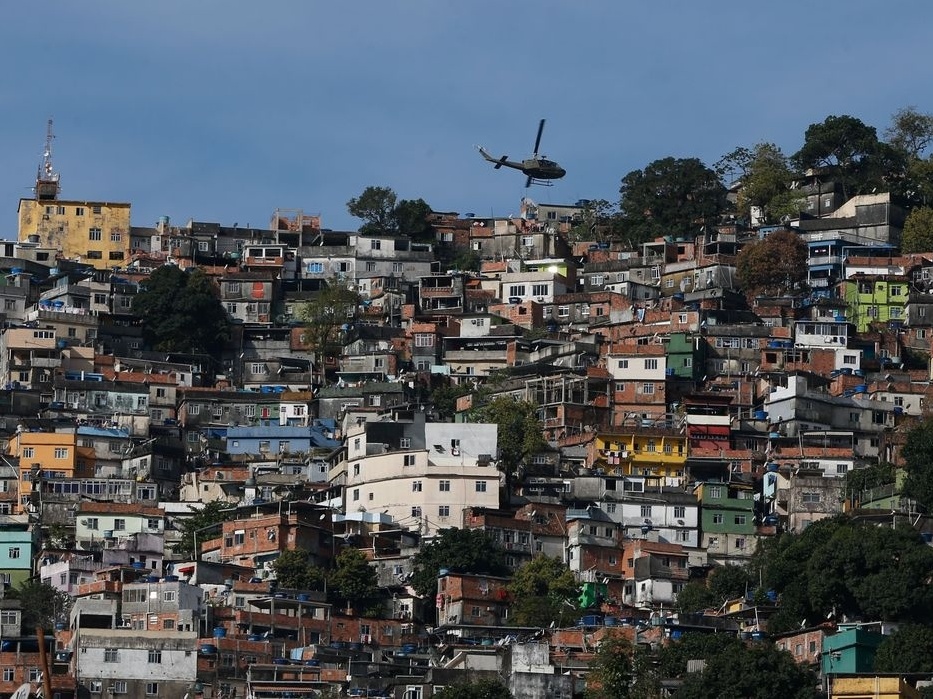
(23,692)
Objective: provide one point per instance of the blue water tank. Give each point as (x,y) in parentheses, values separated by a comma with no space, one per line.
(208,649)
(220,632)
(861,388)
(760,415)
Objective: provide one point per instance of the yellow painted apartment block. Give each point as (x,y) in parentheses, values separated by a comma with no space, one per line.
(874,687)
(93,232)
(50,455)
(658,455)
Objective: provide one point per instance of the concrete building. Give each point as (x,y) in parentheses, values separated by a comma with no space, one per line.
(423,475)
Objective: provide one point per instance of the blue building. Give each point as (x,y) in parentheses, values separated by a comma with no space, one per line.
(281,439)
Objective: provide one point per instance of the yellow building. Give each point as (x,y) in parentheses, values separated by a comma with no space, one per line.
(875,687)
(96,233)
(48,455)
(658,455)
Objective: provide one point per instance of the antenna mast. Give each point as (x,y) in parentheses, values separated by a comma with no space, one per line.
(47,184)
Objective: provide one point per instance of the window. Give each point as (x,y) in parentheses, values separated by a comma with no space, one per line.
(61,452)
(168,624)
(416,486)
(416,511)
(921,334)
(646,511)
(370,267)
(680,512)
(111,655)
(257,368)
(94,234)
(717,518)
(404,443)
(539,289)
(409,460)
(715,491)
(94,255)
(119,687)
(647,389)
(740,519)
(810,498)
(563,311)
(424,340)
(610,508)
(444,486)
(115,236)
(152,688)
(651,364)
(375,244)
(155,656)
(168,596)
(480,486)
(315,268)
(443,511)
(8,674)
(14,552)
(28,452)
(119,524)
(116,255)
(92,523)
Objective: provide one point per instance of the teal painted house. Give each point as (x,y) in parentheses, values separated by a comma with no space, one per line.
(851,651)
(17,546)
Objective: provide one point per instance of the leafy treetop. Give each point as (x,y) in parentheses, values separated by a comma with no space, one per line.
(540,591)
(459,551)
(180,311)
(775,265)
(671,196)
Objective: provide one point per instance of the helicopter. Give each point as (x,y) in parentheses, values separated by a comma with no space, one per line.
(539,170)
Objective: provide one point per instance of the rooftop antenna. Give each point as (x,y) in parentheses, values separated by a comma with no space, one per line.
(47,184)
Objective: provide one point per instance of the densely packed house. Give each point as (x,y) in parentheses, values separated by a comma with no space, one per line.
(681,422)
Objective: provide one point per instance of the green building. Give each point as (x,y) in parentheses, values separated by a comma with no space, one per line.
(874,299)
(684,360)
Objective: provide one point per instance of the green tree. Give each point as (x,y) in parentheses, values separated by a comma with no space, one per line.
(849,148)
(841,567)
(519,434)
(758,671)
(479,689)
(729,582)
(353,581)
(180,311)
(459,551)
(909,649)
(376,207)
(444,398)
(671,196)
(673,658)
(723,583)
(202,525)
(859,480)
(611,670)
(324,318)
(540,590)
(775,265)
(412,219)
(917,235)
(918,462)
(695,597)
(911,131)
(598,220)
(294,571)
(42,605)
(767,182)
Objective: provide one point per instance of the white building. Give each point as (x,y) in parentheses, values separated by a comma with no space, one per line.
(423,475)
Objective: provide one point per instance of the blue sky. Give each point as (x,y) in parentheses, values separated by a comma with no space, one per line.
(226,110)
